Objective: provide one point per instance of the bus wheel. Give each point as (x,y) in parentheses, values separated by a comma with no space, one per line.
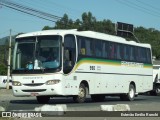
(131,93)
(98,98)
(123,97)
(80,98)
(43,99)
(157,90)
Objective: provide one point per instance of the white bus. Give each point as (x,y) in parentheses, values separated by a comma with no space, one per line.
(79,63)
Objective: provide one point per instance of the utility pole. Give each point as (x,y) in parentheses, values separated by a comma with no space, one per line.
(9,60)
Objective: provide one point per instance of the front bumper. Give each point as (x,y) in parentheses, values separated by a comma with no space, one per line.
(49,90)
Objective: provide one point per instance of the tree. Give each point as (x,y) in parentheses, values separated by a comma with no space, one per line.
(3,69)
(150,36)
(63,23)
(88,21)
(47,28)
(105,26)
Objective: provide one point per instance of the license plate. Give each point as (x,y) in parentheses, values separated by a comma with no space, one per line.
(34,94)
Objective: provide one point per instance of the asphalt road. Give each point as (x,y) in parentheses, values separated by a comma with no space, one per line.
(141,103)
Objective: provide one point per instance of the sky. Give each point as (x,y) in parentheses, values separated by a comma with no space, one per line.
(144,13)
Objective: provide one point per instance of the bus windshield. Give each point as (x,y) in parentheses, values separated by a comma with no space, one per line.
(37,53)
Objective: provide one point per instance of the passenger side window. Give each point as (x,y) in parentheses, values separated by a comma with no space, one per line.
(69,54)
(148,55)
(105,49)
(111,50)
(126,52)
(90,47)
(98,48)
(132,53)
(119,55)
(81,46)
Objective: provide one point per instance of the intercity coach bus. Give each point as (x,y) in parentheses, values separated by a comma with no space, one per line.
(80,63)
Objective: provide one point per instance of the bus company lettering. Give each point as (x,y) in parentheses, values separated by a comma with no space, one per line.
(132,64)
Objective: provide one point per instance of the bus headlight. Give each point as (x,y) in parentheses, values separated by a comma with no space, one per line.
(16,83)
(52,82)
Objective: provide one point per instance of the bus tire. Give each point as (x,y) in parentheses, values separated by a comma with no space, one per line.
(157,90)
(123,97)
(81,97)
(131,94)
(152,93)
(43,99)
(98,98)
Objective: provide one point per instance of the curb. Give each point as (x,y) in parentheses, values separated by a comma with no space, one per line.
(118,107)
(52,109)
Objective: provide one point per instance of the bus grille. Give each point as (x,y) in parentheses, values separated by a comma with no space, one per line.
(33,84)
(39,90)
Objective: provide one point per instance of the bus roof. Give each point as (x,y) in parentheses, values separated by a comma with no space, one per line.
(91,34)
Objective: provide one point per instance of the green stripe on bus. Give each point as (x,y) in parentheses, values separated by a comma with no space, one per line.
(104,62)
(148,66)
(97,61)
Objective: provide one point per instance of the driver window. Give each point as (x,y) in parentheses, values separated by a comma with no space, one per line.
(69,54)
